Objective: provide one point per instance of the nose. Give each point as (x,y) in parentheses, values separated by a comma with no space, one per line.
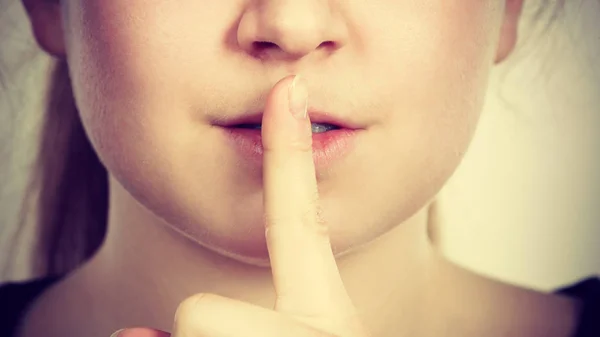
(290,29)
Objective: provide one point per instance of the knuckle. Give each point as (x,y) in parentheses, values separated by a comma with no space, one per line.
(321,227)
(306,220)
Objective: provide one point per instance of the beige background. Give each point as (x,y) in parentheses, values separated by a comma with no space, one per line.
(523,206)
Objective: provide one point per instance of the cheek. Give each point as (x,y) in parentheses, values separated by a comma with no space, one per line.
(432,60)
(431,76)
(439,73)
(130,74)
(130,70)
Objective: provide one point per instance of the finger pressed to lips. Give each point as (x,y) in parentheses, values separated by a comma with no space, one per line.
(304,270)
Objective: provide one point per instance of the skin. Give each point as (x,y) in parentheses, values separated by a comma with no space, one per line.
(186,213)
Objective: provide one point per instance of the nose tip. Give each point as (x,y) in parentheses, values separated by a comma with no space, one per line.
(289,29)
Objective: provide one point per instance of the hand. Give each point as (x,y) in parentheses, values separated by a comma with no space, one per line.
(311,298)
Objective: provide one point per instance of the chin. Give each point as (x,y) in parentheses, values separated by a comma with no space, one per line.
(245,241)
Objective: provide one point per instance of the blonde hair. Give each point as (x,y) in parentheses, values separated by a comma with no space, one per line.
(70,182)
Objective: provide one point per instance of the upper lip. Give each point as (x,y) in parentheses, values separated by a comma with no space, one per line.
(315,117)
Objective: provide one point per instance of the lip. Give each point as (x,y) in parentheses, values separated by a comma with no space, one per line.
(314,116)
(328,147)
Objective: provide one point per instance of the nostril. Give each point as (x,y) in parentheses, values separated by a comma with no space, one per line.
(263,45)
(327,45)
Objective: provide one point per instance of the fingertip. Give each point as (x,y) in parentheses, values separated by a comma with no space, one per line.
(286,126)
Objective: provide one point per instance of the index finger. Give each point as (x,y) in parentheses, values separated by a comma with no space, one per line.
(305,273)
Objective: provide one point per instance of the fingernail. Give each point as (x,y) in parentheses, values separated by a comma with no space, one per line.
(116,333)
(298,97)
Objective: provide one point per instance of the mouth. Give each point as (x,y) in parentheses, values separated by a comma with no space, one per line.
(321,122)
(333,138)
(316,127)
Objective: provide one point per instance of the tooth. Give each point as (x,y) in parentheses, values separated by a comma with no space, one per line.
(320,128)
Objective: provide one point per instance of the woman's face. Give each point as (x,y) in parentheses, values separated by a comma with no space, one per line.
(153,79)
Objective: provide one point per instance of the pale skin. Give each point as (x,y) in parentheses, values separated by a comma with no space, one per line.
(150,80)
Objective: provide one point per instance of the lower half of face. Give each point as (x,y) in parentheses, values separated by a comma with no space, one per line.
(151,91)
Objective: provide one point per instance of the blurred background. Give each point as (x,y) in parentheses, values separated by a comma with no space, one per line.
(524,205)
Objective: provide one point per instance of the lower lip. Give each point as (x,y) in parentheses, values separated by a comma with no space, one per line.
(328,147)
